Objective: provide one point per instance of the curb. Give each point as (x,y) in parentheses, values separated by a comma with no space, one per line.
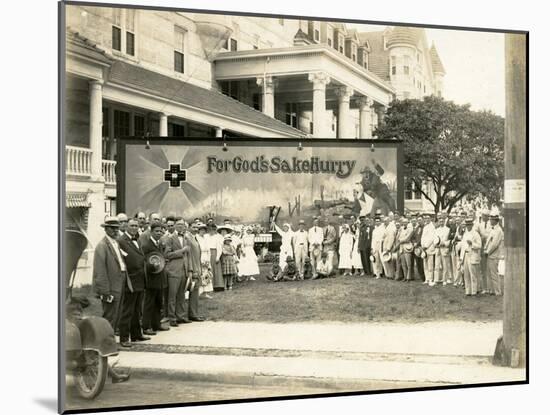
(258,379)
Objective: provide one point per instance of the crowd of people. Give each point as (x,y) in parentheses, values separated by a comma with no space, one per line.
(153,270)
(460,249)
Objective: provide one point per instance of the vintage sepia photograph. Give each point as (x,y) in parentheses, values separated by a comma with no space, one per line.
(277,206)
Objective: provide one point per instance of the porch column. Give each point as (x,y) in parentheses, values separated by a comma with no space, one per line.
(268,90)
(344,129)
(219,132)
(96,115)
(320,81)
(163,125)
(365,117)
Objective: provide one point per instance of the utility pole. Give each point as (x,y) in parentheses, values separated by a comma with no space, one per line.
(515,191)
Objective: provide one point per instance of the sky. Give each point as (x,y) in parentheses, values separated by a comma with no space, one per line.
(474,62)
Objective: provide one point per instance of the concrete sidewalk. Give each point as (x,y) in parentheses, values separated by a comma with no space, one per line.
(345,356)
(431,338)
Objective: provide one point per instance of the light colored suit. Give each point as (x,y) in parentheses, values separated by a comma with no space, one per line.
(471,259)
(427,243)
(405,251)
(388,242)
(443,265)
(376,246)
(494,248)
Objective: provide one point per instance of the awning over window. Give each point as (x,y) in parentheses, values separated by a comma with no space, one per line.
(76,200)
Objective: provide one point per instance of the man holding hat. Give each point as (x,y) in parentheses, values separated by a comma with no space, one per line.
(483,227)
(471,257)
(406,249)
(494,249)
(417,261)
(388,241)
(364,244)
(109,273)
(376,246)
(155,280)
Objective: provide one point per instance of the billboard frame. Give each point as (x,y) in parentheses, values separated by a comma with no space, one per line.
(368,144)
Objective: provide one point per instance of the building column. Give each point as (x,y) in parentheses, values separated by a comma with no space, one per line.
(219,132)
(163,125)
(344,128)
(320,81)
(365,117)
(96,122)
(268,100)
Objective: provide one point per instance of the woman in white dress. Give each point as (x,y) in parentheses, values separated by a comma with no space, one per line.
(355,255)
(206,278)
(248,262)
(345,251)
(286,243)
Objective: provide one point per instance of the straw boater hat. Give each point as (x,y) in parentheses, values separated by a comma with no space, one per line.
(227,238)
(110,222)
(289,259)
(469,221)
(386,256)
(418,252)
(227,228)
(494,214)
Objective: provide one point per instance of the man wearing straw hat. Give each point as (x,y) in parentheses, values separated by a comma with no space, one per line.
(471,257)
(315,238)
(494,249)
(109,272)
(427,243)
(300,246)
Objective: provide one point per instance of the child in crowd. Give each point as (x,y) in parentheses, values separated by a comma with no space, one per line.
(324,267)
(308,269)
(290,272)
(276,273)
(229,262)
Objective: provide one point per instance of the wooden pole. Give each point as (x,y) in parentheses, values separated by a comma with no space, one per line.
(515,144)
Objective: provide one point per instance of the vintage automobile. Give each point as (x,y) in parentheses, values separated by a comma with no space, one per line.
(89,341)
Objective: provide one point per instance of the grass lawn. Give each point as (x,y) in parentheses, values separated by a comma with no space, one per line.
(345,299)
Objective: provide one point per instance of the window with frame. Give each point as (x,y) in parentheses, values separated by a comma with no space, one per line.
(176,130)
(105,146)
(365,60)
(121,123)
(411,192)
(233,45)
(329,41)
(393,65)
(139,125)
(407,65)
(117,38)
(130,30)
(354,52)
(341,43)
(179,49)
(291,110)
(317,35)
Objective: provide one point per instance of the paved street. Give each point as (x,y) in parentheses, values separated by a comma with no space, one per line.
(140,391)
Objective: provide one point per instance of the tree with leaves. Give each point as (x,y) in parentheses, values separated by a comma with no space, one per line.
(459,151)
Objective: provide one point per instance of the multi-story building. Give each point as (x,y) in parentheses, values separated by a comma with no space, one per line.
(132,72)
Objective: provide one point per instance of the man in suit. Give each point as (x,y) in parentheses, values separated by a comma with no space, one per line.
(364,244)
(418,264)
(130,319)
(376,246)
(483,227)
(109,272)
(388,240)
(142,222)
(406,249)
(300,244)
(175,250)
(123,221)
(443,263)
(471,257)
(427,243)
(494,249)
(192,267)
(154,282)
(330,241)
(109,278)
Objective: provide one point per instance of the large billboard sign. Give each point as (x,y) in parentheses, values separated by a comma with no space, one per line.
(245,180)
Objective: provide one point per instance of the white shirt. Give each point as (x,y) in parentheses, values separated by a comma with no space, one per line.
(300,238)
(315,236)
(378,236)
(115,246)
(286,237)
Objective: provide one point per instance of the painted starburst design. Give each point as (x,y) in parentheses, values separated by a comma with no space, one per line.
(171,179)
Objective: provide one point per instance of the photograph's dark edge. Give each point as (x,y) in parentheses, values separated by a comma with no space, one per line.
(121,196)
(61,211)
(295,16)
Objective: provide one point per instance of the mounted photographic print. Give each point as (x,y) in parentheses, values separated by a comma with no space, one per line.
(259,207)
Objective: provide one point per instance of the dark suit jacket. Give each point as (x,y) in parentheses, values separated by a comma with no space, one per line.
(107,278)
(154,281)
(365,237)
(135,262)
(417,235)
